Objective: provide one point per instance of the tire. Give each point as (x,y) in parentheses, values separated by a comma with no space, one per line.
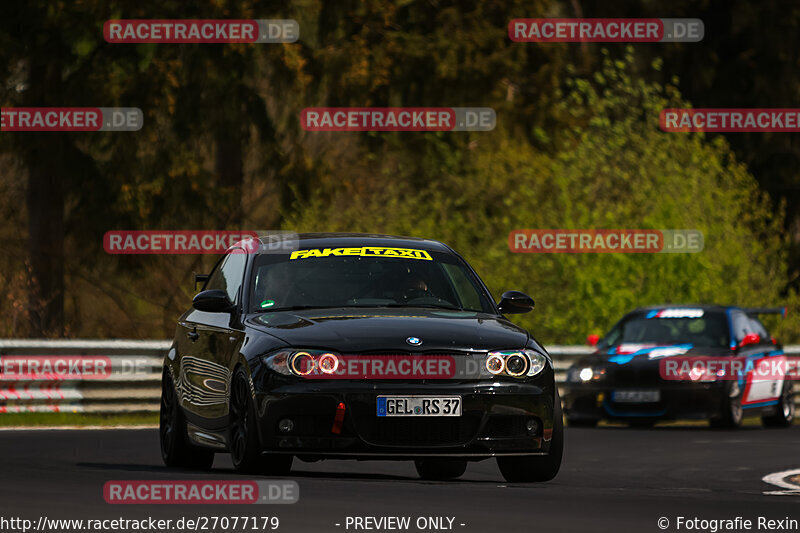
(243,441)
(176,450)
(537,467)
(581,422)
(784,412)
(440,469)
(731,414)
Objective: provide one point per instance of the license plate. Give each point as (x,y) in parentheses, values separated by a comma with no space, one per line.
(637,396)
(419,406)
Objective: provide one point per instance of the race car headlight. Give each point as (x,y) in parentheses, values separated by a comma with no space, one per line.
(585,374)
(700,374)
(495,363)
(328,363)
(303,363)
(515,363)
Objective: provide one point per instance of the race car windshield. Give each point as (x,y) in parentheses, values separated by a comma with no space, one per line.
(429,279)
(710,329)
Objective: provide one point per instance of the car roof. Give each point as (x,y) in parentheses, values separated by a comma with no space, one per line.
(704,307)
(342,240)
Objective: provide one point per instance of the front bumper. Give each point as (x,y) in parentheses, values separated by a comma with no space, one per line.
(684,400)
(493,421)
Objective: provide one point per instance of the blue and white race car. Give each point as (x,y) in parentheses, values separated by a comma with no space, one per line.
(683,362)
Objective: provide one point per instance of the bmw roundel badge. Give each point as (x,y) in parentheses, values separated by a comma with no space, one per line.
(414,341)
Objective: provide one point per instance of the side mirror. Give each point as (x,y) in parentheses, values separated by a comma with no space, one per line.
(593,339)
(750,338)
(212,301)
(515,302)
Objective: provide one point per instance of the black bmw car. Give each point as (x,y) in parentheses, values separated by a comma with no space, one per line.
(357,346)
(683,362)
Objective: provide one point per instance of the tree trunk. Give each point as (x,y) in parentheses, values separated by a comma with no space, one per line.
(44,155)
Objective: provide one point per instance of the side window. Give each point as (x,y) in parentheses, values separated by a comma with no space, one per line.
(741,326)
(758,327)
(463,287)
(611,338)
(229,274)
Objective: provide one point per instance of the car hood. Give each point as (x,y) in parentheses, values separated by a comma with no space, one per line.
(362,330)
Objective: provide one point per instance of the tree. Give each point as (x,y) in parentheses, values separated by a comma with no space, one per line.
(612,168)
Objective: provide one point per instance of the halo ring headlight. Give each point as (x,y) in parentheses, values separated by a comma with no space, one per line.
(516,364)
(328,363)
(495,364)
(302,363)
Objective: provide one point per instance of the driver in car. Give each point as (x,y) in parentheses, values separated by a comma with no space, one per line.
(413,286)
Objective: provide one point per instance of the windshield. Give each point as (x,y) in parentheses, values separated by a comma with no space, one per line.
(699,328)
(307,279)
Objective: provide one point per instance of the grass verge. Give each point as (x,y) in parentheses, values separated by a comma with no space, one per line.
(77,419)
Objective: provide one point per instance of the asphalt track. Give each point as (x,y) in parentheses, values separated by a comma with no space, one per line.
(612,479)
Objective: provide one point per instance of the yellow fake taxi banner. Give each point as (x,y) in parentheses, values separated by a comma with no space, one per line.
(365,251)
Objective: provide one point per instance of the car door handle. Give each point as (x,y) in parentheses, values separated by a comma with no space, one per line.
(193,335)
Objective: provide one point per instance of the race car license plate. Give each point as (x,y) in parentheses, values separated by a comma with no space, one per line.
(637,396)
(419,406)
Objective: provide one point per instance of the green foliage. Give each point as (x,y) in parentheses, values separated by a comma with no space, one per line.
(612,168)
(222,148)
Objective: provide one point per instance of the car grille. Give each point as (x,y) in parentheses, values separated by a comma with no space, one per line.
(637,375)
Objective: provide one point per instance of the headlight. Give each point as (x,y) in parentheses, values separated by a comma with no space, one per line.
(515,363)
(585,374)
(303,362)
(700,374)
(328,363)
(495,364)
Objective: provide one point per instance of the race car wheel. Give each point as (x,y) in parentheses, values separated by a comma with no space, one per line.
(730,415)
(440,469)
(784,414)
(176,450)
(538,467)
(243,441)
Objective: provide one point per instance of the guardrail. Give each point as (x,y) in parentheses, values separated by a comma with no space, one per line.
(118,376)
(125,374)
